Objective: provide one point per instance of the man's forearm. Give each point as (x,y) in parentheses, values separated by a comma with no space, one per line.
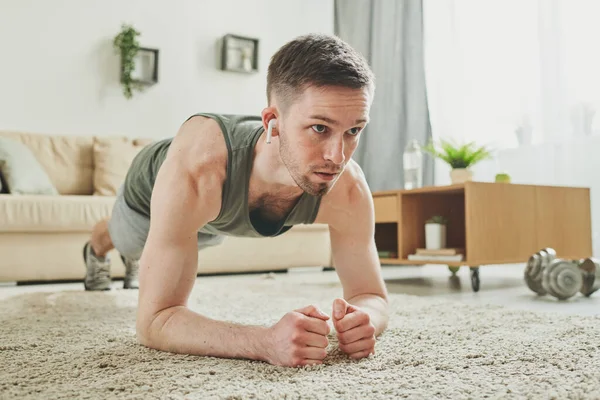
(180,330)
(376,307)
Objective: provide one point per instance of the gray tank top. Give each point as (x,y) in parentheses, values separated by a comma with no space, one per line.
(241,134)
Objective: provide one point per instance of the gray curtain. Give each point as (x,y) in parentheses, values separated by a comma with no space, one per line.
(389,33)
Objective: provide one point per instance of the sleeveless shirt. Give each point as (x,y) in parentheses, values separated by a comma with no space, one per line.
(241,133)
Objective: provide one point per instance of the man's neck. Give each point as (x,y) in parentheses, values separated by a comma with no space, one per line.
(269,173)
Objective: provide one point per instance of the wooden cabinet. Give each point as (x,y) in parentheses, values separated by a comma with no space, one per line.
(496,223)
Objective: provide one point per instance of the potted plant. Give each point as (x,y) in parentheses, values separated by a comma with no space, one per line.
(126,44)
(460,157)
(435,232)
(502,177)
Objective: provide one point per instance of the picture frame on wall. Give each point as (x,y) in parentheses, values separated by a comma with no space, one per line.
(239,53)
(146,66)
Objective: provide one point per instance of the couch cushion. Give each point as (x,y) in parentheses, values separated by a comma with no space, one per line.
(112,158)
(142,141)
(41,213)
(66,159)
(22,171)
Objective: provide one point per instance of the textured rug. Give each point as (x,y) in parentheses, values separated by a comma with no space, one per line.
(75,344)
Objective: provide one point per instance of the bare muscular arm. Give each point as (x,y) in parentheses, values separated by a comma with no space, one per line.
(180,206)
(183,201)
(349,212)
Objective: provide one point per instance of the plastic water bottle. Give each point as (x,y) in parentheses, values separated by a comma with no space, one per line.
(413,166)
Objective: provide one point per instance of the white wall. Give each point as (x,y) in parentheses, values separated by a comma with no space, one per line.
(60,74)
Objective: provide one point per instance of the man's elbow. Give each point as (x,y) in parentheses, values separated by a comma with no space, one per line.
(143,328)
(383,299)
(150,325)
(385,312)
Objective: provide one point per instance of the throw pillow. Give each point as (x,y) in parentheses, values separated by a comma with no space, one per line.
(112,159)
(3,186)
(22,172)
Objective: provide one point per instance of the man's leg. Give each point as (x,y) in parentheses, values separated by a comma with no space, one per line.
(100,241)
(126,231)
(95,255)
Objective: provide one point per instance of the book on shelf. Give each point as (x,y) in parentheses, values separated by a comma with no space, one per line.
(427,257)
(387,254)
(451,251)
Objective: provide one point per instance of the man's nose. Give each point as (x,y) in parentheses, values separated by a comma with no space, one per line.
(334,151)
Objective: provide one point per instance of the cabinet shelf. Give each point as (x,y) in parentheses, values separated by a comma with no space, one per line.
(421,262)
(495,223)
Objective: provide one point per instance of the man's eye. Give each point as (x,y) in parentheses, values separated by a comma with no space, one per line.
(354,131)
(319,128)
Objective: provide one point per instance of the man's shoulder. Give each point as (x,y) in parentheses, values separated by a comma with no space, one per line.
(200,140)
(352,184)
(197,158)
(228,122)
(199,148)
(350,194)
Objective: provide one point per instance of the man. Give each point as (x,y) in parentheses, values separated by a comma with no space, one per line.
(220,176)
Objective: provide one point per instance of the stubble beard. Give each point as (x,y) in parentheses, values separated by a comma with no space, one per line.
(314,189)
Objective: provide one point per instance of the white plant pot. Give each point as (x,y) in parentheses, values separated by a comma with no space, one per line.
(461,175)
(435,236)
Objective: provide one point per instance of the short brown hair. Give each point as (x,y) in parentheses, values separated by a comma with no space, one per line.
(316,60)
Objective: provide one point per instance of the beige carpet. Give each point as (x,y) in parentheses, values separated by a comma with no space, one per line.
(81,345)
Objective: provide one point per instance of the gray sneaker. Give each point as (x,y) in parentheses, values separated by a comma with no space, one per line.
(132,268)
(97,275)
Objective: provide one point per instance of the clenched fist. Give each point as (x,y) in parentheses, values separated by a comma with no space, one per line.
(355,332)
(299,338)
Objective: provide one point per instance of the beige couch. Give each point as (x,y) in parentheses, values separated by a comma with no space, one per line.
(42,236)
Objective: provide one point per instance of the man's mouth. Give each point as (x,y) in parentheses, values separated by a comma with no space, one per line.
(327,176)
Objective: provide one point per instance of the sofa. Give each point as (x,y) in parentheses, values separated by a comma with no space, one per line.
(42,234)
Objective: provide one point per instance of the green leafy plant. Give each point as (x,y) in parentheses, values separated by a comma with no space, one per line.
(437,219)
(127,46)
(458,155)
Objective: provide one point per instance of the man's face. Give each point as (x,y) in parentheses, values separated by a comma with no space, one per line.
(319,134)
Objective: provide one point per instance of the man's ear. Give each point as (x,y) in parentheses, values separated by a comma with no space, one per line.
(270,122)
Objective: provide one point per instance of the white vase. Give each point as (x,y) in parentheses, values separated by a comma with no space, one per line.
(435,236)
(461,175)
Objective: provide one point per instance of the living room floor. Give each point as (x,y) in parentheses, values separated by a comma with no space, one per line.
(500,285)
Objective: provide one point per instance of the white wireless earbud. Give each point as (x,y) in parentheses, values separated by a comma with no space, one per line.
(270,130)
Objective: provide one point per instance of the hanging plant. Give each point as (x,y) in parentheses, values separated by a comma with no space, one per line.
(126,44)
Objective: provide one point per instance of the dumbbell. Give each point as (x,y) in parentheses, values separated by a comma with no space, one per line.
(546,274)
(534,271)
(590,268)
